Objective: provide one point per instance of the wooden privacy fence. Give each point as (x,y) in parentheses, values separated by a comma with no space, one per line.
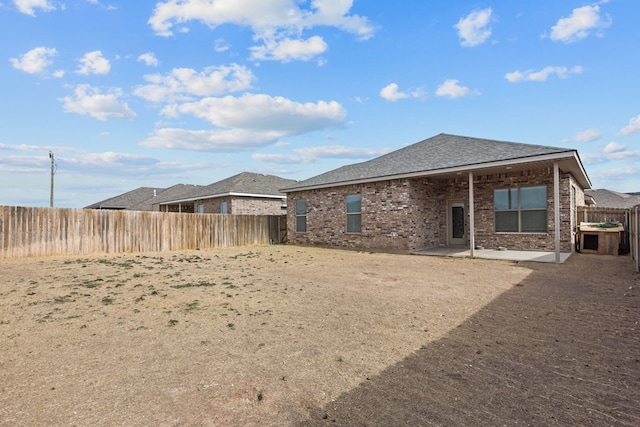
(634,223)
(30,231)
(592,214)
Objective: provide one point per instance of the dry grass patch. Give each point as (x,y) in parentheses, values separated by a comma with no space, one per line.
(240,336)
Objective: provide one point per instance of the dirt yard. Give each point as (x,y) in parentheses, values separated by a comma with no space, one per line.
(286,335)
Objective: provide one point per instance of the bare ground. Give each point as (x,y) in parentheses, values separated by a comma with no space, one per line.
(285,335)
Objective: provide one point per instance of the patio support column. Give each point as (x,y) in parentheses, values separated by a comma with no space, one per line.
(636,233)
(472,228)
(556,208)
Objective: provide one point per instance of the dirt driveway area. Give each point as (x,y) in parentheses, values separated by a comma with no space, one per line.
(287,335)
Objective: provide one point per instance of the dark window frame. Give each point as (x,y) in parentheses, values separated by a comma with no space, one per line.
(301,216)
(353,208)
(518,213)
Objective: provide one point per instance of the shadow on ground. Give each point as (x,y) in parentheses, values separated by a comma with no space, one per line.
(561,348)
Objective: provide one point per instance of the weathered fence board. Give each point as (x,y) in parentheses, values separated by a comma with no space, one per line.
(31,231)
(594,214)
(634,235)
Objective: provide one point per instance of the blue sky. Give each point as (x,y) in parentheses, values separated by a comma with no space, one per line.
(128,94)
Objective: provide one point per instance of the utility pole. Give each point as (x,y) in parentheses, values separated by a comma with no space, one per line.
(52,157)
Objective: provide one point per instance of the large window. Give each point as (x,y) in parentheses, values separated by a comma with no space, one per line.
(353,213)
(301,216)
(521,210)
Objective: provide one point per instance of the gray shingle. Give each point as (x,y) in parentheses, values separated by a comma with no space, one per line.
(442,151)
(246,183)
(128,199)
(612,199)
(171,193)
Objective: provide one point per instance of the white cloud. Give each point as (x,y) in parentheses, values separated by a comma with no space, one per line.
(474,29)
(149,59)
(287,49)
(612,152)
(312,154)
(392,93)
(587,135)
(229,140)
(614,147)
(23,147)
(110,159)
(542,75)
(182,84)
(452,89)
(579,25)
(617,174)
(632,127)
(220,45)
(90,101)
(264,113)
(28,6)
(34,61)
(246,122)
(278,24)
(93,63)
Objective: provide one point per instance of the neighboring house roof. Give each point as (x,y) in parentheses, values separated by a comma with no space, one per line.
(612,199)
(170,193)
(445,155)
(128,199)
(242,184)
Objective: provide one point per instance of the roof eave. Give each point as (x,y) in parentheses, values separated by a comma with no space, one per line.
(583,179)
(215,196)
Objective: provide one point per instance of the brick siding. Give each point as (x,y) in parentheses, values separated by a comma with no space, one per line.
(242,205)
(409,214)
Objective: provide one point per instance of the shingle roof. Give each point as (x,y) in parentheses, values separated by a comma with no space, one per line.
(243,183)
(440,152)
(612,199)
(128,199)
(171,193)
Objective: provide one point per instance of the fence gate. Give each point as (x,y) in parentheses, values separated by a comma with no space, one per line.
(278,229)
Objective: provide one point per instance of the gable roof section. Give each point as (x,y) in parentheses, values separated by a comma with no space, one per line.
(612,199)
(446,154)
(175,191)
(243,184)
(128,199)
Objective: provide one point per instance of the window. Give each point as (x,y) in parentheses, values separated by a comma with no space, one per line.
(301,216)
(521,209)
(200,208)
(224,208)
(353,213)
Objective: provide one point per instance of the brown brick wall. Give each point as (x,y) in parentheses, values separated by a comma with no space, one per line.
(243,205)
(255,206)
(408,214)
(484,213)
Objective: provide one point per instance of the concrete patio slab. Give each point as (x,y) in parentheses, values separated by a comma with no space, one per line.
(509,255)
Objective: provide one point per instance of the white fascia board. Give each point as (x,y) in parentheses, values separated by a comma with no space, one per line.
(215,196)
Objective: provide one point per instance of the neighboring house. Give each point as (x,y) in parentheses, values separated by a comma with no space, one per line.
(170,193)
(127,200)
(445,190)
(243,194)
(603,198)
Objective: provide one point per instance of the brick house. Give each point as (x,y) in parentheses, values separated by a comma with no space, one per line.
(243,194)
(445,190)
(146,198)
